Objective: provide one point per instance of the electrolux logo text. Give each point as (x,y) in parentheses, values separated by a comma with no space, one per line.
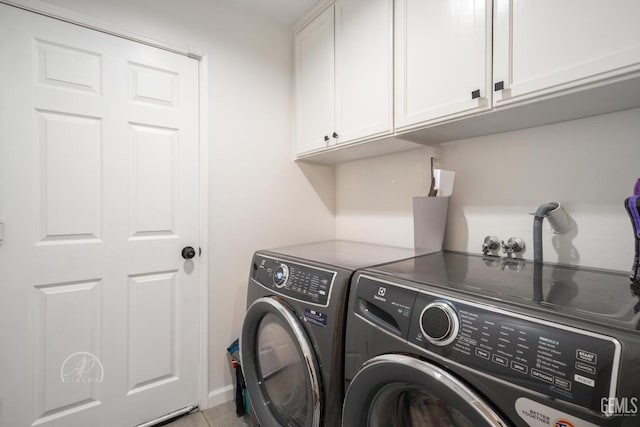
(382,291)
(619,406)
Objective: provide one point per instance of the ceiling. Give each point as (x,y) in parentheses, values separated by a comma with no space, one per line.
(285,11)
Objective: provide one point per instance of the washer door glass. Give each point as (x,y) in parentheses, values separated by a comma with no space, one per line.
(281,371)
(405,405)
(396,390)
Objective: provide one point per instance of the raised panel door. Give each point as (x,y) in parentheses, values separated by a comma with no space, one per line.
(442,60)
(546,46)
(314,79)
(98,194)
(364,68)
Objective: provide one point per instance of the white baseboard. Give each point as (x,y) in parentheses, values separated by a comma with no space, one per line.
(220,395)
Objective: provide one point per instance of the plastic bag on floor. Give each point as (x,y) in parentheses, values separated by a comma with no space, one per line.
(241,402)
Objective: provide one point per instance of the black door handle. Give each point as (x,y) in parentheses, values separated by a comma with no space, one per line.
(188,252)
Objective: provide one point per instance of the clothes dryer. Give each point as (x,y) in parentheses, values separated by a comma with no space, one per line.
(292,342)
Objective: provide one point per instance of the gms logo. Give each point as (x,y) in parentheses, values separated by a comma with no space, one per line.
(620,406)
(563,423)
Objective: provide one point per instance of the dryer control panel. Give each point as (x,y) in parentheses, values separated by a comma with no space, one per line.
(294,280)
(564,362)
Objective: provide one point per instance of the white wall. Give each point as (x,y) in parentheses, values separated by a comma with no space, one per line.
(589,165)
(258,197)
(374,196)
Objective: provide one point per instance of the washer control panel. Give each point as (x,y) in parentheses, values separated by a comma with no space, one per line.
(571,364)
(294,280)
(558,360)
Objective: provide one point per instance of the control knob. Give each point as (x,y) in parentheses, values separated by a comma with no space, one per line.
(280,275)
(439,323)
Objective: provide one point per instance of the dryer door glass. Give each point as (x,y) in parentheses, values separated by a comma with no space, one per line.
(281,371)
(280,367)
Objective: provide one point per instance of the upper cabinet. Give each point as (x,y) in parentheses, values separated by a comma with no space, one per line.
(544,47)
(364,69)
(429,71)
(443,60)
(314,76)
(344,89)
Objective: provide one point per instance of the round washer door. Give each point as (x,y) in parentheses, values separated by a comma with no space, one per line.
(279,366)
(402,391)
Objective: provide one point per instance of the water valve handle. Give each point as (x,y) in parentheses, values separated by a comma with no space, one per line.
(514,244)
(491,243)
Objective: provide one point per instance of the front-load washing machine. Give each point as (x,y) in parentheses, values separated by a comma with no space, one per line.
(452,339)
(292,342)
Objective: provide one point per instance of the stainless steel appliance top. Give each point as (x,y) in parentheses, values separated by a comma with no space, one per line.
(582,292)
(347,254)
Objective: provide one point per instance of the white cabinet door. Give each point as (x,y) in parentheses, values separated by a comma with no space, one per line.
(364,68)
(98,195)
(544,46)
(442,59)
(314,71)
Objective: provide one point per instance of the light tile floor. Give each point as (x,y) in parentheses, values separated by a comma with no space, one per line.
(219,416)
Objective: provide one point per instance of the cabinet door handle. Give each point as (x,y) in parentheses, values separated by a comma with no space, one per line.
(498,86)
(326,138)
(335,135)
(475,94)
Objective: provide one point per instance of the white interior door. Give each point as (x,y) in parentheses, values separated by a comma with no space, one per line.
(98,196)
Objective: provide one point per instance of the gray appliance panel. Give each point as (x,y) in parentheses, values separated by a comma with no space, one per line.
(570,364)
(347,254)
(294,280)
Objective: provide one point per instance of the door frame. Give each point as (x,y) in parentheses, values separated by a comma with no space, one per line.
(61,14)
